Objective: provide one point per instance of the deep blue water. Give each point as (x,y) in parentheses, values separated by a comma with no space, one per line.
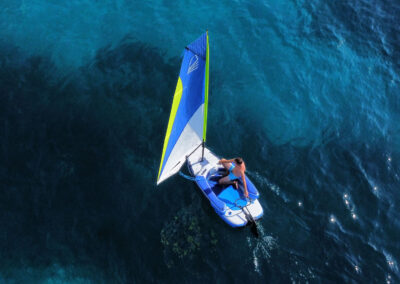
(307,92)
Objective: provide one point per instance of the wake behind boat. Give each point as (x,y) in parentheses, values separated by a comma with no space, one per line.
(185,142)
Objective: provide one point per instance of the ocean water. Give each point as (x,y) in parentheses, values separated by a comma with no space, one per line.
(307,92)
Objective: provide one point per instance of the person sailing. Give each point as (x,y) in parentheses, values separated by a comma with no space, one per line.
(236,168)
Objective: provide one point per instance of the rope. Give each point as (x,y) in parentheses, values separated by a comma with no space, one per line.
(187,177)
(236,205)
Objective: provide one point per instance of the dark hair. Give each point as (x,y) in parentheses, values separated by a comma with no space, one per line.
(239,161)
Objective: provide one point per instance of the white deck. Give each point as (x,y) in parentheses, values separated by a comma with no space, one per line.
(202,168)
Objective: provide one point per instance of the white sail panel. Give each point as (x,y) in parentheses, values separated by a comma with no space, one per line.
(190,138)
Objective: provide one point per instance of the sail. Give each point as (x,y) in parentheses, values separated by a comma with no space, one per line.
(188,118)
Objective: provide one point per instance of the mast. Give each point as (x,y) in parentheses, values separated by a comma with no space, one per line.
(206,96)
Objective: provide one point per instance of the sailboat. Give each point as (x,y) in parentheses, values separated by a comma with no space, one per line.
(186,137)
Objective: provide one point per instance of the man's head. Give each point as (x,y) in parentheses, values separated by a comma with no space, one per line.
(238,161)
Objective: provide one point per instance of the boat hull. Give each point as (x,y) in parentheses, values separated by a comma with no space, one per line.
(229,203)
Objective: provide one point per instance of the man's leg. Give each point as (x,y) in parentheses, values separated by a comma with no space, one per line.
(227,180)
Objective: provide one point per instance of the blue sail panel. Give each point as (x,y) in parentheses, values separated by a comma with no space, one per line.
(199,46)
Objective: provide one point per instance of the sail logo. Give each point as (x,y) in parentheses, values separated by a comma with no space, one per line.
(193,64)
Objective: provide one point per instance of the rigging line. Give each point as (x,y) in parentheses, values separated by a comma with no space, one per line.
(193,151)
(186,156)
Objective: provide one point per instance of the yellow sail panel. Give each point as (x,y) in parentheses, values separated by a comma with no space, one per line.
(174,109)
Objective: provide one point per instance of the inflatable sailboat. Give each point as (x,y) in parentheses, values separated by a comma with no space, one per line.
(186,136)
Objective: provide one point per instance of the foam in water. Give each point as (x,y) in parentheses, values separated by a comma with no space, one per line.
(261,248)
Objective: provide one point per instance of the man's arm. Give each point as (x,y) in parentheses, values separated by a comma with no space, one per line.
(226,161)
(246,193)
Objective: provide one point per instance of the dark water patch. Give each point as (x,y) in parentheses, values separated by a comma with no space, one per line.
(186,237)
(79,158)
